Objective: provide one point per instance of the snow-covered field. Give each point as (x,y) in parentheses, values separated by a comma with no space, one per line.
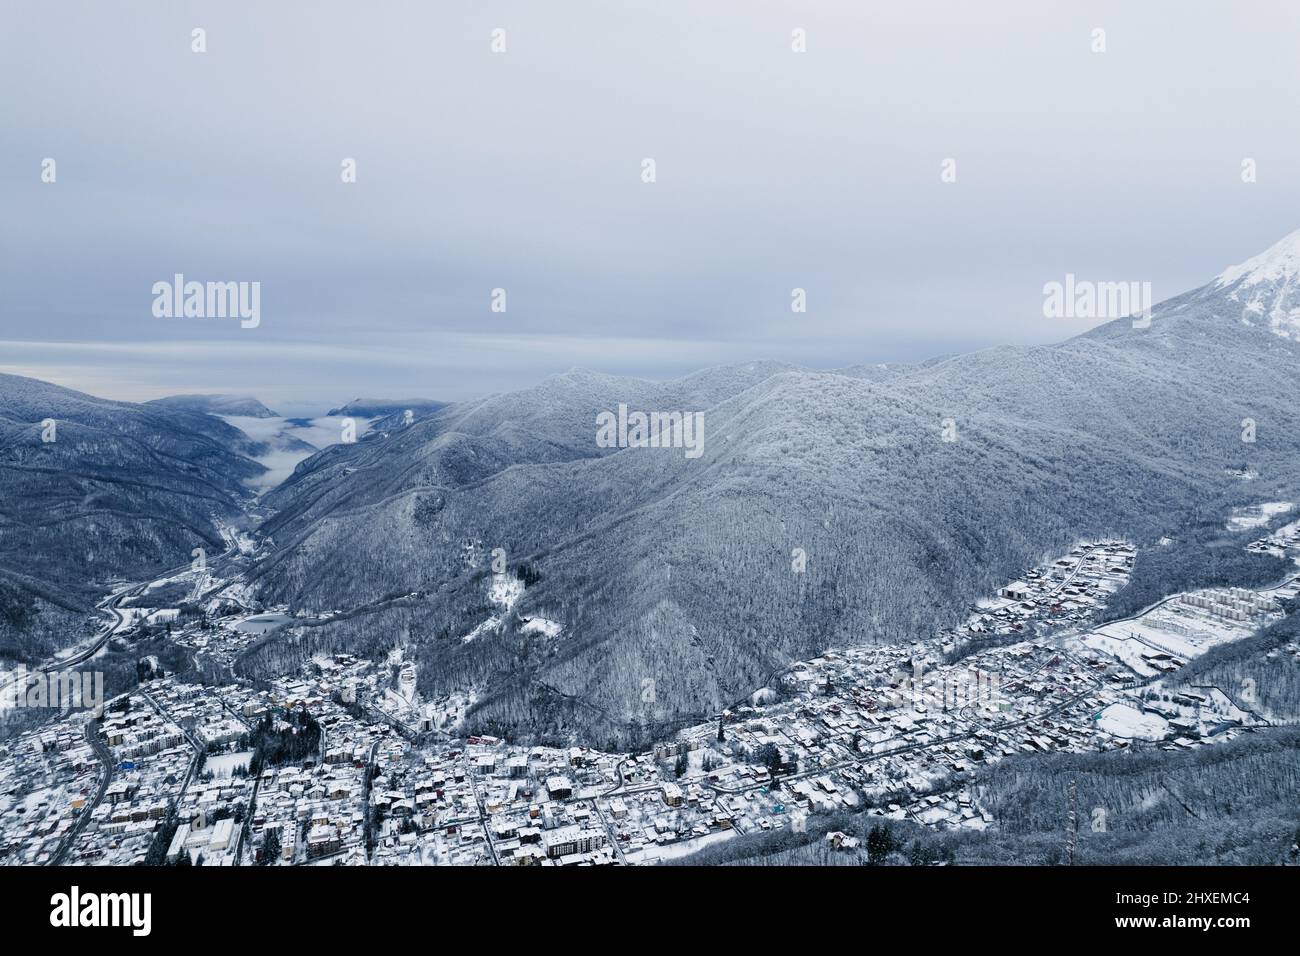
(1128,651)
(1256,516)
(657,853)
(540,625)
(224,765)
(1123,720)
(1177,629)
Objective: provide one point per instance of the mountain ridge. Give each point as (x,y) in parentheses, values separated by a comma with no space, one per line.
(96,491)
(244,406)
(678,572)
(905,491)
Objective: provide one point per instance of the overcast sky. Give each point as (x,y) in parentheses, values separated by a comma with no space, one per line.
(523,171)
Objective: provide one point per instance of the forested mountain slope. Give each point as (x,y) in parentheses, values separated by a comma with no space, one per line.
(95,491)
(681,574)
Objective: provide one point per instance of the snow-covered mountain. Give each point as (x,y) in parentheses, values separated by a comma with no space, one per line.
(678,570)
(825,508)
(242,405)
(1267,287)
(93,491)
(384,407)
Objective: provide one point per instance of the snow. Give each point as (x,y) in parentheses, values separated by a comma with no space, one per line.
(224,765)
(1126,650)
(1220,704)
(1268,287)
(540,625)
(1277,263)
(504,590)
(1287,536)
(233,537)
(1123,720)
(490,626)
(679,849)
(240,593)
(449,712)
(1175,629)
(1256,516)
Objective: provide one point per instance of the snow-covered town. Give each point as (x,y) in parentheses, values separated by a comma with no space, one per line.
(339,764)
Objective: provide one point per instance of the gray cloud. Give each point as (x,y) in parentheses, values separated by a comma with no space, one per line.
(475,171)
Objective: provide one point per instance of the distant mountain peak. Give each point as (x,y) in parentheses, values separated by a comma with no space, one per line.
(241,406)
(379,407)
(1278,263)
(1267,287)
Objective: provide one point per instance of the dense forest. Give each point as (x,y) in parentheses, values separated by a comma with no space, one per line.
(1202,556)
(282,737)
(94,491)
